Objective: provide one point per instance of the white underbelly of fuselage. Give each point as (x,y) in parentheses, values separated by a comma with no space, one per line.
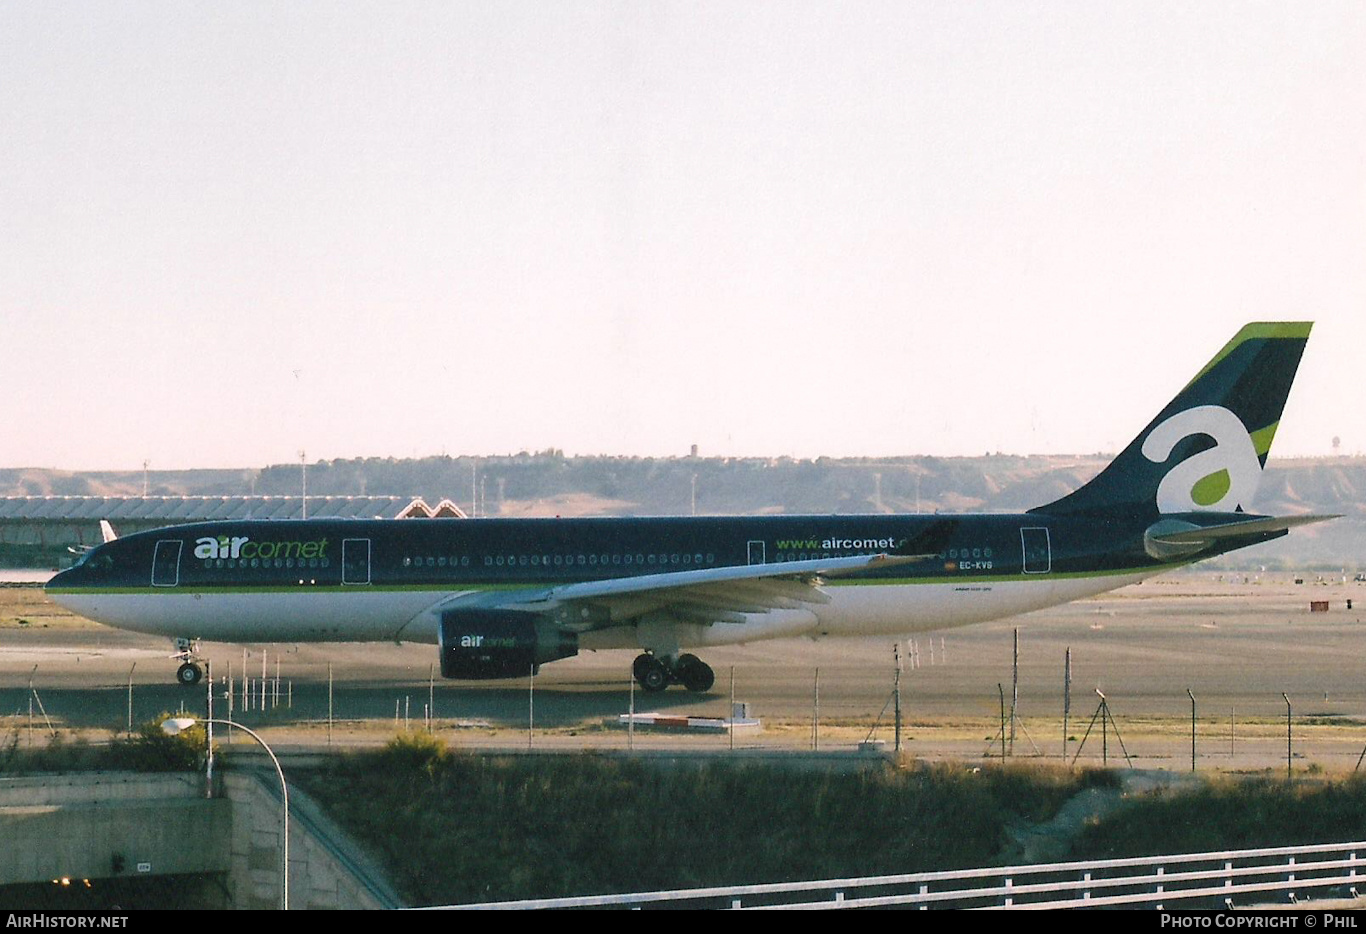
(358,615)
(363,615)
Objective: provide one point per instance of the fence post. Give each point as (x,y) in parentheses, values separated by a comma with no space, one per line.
(1192,697)
(1289,747)
(1066,698)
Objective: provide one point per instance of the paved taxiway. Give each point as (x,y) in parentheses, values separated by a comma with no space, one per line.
(1237,645)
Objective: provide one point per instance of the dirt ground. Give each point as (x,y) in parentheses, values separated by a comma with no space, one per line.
(1238,643)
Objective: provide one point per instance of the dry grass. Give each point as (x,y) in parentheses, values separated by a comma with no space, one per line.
(459,828)
(24,607)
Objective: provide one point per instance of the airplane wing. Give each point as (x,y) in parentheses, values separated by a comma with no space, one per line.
(709,595)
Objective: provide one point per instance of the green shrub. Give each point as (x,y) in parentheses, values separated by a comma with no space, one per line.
(415,750)
(151,749)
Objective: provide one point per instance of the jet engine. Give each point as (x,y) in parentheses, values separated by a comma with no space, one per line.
(477,644)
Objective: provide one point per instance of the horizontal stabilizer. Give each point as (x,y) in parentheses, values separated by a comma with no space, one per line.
(1169,539)
(1212,533)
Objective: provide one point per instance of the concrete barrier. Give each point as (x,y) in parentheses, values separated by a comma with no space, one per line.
(326,868)
(99,825)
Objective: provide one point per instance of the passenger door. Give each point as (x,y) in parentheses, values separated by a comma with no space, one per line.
(166,563)
(1038,553)
(356,561)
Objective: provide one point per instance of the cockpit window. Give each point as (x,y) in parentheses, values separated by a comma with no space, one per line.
(95,559)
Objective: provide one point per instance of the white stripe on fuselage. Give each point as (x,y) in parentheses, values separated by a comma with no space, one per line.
(364,615)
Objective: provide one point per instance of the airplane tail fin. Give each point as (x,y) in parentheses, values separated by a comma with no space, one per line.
(1205,451)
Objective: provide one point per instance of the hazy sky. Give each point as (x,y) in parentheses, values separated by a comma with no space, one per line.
(231,231)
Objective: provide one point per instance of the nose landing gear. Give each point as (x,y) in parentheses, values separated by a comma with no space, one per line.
(655,673)
(190,671)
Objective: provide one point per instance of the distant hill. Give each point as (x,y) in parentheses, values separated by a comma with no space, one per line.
(548,484)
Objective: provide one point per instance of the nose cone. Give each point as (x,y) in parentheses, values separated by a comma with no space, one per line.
(60,587)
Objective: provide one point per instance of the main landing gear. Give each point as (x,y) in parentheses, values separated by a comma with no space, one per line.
(190,672)
(654,673)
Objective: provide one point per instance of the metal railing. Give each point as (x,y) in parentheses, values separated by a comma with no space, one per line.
(1191,880)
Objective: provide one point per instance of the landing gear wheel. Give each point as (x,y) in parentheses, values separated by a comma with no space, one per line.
(189,674)
(695,674)
(641,665)
(654,677)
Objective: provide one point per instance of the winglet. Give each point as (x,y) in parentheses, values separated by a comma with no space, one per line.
(107,530)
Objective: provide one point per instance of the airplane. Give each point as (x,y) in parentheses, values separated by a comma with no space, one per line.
(501,597)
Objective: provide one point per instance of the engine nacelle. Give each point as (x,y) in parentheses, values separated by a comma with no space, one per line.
(477,644)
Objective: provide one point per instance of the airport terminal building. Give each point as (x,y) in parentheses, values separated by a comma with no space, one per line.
(41,531)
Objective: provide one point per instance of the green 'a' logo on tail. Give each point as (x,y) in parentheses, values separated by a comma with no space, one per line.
(1200,454)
